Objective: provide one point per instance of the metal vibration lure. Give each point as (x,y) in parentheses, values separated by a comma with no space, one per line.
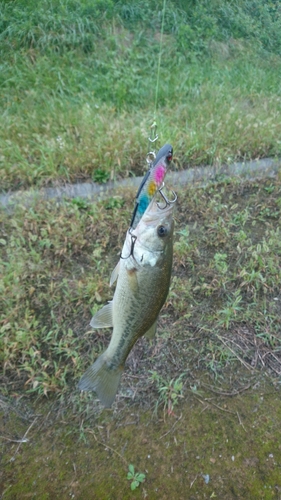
(152,181)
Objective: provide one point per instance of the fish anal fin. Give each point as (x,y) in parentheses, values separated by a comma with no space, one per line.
(102,379)
(103,318)
(114,274)
(150,334)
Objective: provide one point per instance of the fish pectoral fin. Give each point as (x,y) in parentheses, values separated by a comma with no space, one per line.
(114,274)
(103,318)
(150,334)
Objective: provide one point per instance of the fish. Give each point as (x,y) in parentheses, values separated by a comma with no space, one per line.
(143,278)
(152,181)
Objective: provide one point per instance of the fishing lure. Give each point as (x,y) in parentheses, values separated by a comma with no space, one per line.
(152,181)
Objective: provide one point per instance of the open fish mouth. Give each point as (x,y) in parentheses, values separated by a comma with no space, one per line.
(162,206)
(165,200)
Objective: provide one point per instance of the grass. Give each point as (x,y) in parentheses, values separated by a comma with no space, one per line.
(212,374)
(72,109)
(77,98)
(169,392)
(78,83)
(55,267)
(38,240)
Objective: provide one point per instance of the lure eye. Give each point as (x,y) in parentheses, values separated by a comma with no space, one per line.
(162,231)
(169,156)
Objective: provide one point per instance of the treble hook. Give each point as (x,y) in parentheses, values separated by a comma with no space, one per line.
(168,202)
(133,241)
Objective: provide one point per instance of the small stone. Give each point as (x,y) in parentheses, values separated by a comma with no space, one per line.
(206,478)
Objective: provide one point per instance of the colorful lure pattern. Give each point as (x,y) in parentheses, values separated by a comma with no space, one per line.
(152,181)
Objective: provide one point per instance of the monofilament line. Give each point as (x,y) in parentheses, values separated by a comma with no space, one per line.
(153,128)
(159,59)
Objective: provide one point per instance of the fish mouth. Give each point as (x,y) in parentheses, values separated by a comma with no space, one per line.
(166,200)
(160,208)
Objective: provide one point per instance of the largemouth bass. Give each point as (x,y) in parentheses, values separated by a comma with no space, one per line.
(143,278)
(152,181)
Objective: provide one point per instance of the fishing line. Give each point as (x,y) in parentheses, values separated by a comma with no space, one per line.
(159,59)
(153,127)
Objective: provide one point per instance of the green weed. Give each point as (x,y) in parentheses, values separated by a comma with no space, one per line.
(114,202)
(231,311)
(220,262)
(81,203)
(100,175)
(169,391)
(136,478)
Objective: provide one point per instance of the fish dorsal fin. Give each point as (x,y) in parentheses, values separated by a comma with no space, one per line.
(103,318)
(114,274)
(150,334)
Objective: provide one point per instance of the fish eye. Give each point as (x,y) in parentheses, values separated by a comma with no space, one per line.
(162,231)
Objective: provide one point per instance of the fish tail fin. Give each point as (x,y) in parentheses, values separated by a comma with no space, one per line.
(102,379)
